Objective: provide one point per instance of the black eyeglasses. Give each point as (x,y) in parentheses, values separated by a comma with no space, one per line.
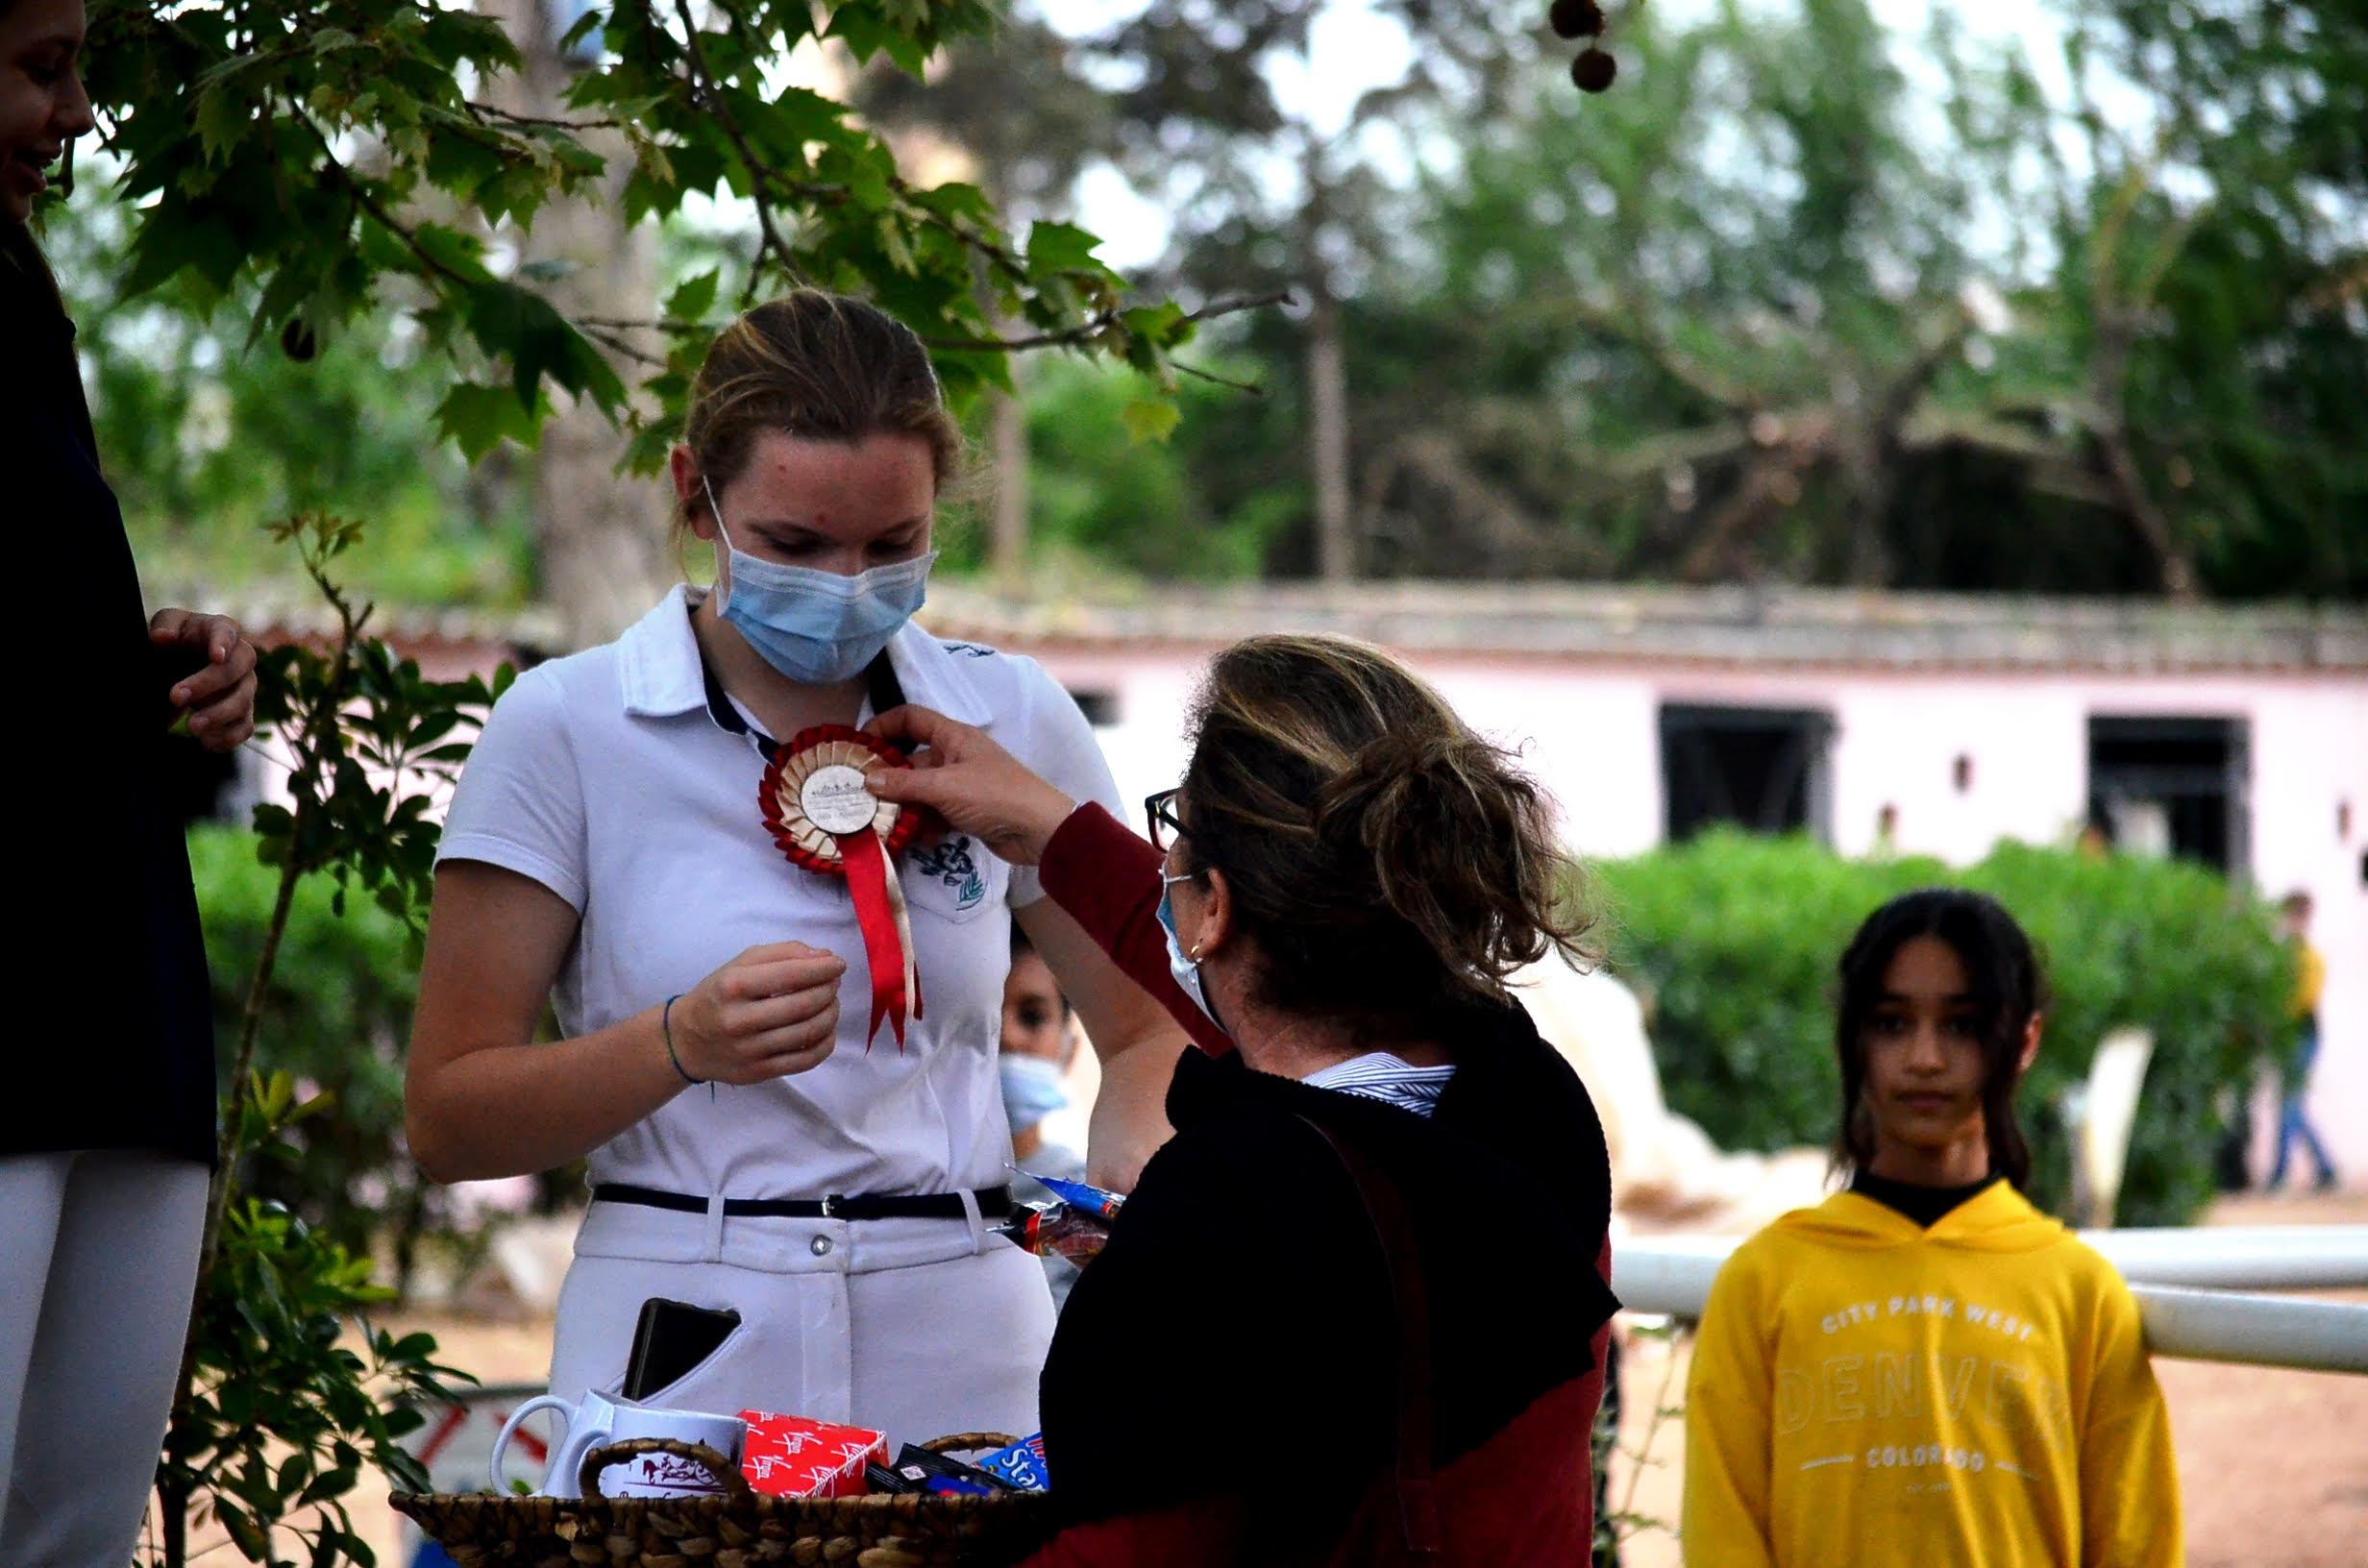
(1159,811)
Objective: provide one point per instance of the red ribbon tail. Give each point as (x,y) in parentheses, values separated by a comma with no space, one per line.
(883,942)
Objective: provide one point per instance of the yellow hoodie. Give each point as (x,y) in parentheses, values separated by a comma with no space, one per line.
(1869,1394)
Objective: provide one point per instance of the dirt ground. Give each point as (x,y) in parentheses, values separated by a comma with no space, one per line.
(2273,1465)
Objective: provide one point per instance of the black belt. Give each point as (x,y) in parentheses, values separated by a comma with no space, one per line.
(993,1203)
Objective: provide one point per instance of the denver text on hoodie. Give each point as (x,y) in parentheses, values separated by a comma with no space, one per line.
(1867,1393)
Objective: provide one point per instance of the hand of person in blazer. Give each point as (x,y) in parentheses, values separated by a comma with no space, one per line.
(219,696)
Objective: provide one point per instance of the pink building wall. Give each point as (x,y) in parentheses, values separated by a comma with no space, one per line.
(1589,730)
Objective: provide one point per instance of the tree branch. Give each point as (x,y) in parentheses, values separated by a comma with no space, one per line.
(1633,321)
(1198,374)
(488,112)
(704,85)
(1093,326)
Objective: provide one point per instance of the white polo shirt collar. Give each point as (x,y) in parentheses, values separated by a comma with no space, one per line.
(661,673)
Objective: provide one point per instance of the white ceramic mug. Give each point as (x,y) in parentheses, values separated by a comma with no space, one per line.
(597,1420)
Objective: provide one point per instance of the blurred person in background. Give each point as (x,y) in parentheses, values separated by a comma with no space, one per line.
(107,1133)
(2293,1107)
(1038,1047)
(1924,1368)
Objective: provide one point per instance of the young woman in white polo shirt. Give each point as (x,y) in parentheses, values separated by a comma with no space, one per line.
(750,1147)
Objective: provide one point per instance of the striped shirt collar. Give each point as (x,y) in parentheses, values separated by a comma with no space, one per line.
(1392,1080)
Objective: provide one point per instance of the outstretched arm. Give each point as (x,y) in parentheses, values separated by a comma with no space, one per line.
(1104,877)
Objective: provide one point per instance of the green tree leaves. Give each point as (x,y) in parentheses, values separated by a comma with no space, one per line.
(343,155)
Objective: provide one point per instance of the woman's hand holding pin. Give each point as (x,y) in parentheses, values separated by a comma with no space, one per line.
(975,784)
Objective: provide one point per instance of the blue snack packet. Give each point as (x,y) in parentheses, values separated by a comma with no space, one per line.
(1094,1200)
(1021,1466)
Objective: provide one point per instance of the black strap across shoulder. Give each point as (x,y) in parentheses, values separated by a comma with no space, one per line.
(879,680)
(993,1203)
(881,683)
(1417,1505)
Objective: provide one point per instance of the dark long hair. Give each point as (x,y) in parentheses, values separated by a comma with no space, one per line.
(2009,989)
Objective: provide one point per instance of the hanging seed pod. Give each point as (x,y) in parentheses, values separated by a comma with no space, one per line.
(1576,20)
(1593,70)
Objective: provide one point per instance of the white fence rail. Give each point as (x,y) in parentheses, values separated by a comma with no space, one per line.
(2224,1322)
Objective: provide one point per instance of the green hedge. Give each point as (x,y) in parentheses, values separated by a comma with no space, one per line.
(1734,938)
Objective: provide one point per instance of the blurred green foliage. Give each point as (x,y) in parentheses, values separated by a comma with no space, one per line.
(1736,937)
(1807,296)
(1146,506)
(209,434)
(322,164)
(335,1020)
(292,1392)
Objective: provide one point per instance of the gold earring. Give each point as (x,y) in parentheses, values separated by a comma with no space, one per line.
(1195,954)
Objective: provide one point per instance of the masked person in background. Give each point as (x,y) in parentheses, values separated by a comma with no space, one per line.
(1038,1047)
(752,1148)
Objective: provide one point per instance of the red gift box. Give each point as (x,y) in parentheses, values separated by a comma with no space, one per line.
(788,1456)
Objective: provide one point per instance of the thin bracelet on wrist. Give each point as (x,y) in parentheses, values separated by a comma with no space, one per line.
(666,1027)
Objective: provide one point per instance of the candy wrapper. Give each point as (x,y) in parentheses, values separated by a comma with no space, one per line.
(884,1481)
(921,1470)
(1074,1228)
(1080,1195)
(788,1456)
(1046,1229)
(1021,1466)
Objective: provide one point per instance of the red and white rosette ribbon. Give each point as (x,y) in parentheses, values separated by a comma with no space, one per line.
(826,819)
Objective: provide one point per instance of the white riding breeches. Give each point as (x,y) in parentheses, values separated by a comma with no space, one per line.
(98,1261)
(917,1328)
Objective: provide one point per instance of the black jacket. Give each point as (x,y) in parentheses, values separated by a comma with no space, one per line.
(1237,1336)
(112,1020)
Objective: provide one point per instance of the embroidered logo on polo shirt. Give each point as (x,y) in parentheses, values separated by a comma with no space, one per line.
(969,649)
(950,860)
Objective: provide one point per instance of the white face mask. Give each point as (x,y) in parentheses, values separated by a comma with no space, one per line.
(1187,973)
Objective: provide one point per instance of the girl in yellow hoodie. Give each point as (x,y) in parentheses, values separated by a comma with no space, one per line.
(1925,1371)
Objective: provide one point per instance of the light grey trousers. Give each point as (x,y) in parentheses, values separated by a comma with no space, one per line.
(98,1261)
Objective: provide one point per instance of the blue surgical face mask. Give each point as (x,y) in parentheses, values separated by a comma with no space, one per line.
(815,627)
(1031,1089)
(1187,972)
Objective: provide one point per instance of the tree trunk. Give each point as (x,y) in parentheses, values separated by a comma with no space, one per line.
(600,536)
(1328,417)
(1009,434)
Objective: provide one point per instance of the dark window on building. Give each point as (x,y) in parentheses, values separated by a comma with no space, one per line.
(2169,786)
(1101,708)
(1764,769)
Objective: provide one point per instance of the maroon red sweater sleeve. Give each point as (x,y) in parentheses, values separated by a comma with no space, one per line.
(1108,881)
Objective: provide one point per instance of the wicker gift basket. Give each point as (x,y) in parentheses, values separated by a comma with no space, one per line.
(738,1529)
